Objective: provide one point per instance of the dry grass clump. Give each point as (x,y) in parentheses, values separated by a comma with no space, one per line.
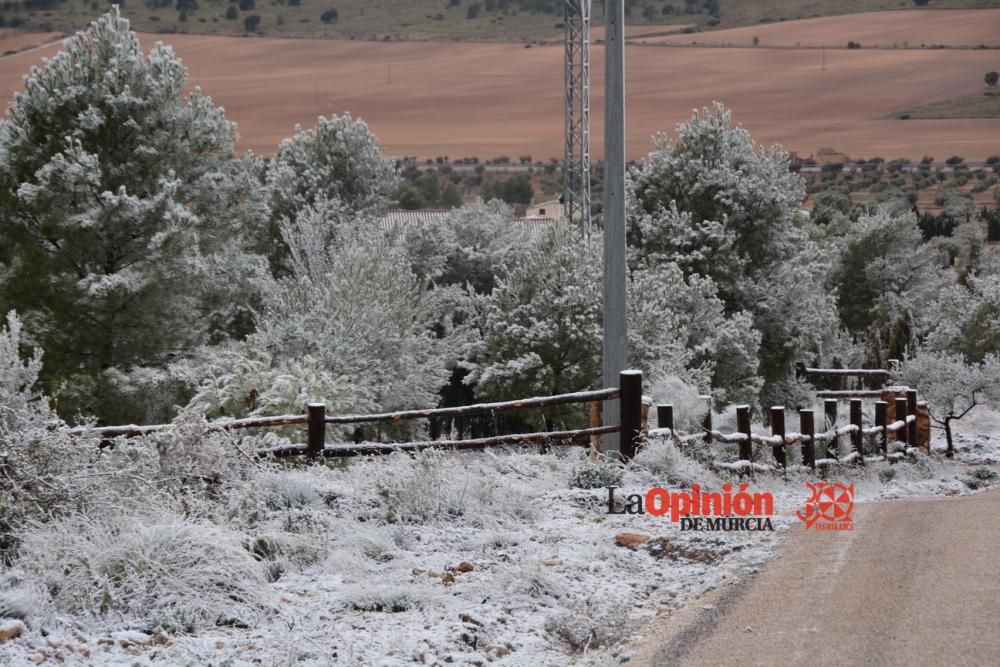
(162,570)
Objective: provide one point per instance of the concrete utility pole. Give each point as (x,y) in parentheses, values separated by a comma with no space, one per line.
(615,327)
(576,168)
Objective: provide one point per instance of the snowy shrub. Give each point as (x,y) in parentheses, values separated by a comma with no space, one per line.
(535,582)
(589,625)
(596,476)
(22,598)
(161,570)
(41,469)
(354,327)
(984,474)
(661,459)
(424,491)
(689,407)
(383,598)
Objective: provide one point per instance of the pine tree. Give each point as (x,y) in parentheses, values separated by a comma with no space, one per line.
(716,204)
(123,217)
(338,160)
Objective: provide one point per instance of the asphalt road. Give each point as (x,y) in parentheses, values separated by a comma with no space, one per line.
(916,583)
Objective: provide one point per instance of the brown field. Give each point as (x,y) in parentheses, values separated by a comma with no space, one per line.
(487,100)
(953,27)
(18,40)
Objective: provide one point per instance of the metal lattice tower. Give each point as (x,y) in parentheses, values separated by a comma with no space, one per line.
(576,168)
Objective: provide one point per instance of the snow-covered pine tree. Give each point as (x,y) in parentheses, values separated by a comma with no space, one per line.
(716,204)
(338,160)
(884,280)
(123,218)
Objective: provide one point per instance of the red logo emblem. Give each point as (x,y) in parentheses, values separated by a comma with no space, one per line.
(829,507)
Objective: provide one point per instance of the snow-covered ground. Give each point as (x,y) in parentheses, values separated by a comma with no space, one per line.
(476,558)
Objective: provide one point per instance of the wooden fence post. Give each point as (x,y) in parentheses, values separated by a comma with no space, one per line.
(901,416)
(857,436)
(316,443)
(596,421)
(881,419)
(830,419)
(706,423)
(665,416)
(911,409)
(807,427)
(647,403)
(778,429)
(743,426)
(630,404)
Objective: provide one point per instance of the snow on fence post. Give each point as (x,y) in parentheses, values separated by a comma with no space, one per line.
(911,409)
(706,423)
(630,409)
(807,427)
(743,426)
(316,442)
(901,416)
(857,435)
(665,416)
(830,426)
(882,420)
(778,430)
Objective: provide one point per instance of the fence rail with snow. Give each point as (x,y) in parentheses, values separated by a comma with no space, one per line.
(905,415)
(628,394)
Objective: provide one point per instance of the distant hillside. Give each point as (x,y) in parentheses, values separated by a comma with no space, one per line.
(428,19)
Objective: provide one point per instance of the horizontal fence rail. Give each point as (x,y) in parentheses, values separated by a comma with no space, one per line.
(480,408)
(476,443)
(628,393)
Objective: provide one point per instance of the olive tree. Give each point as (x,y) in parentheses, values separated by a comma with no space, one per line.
(952,386)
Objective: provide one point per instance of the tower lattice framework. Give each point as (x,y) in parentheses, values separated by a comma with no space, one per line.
(576,168)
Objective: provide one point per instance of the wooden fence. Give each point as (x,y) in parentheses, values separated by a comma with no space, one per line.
(903,413)
(630,429)
(871,380)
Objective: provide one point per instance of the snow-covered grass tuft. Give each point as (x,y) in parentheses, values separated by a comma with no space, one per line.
(163,571)
(664,462)
(427,488)
(589,625)
(598,475)
(383,598)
